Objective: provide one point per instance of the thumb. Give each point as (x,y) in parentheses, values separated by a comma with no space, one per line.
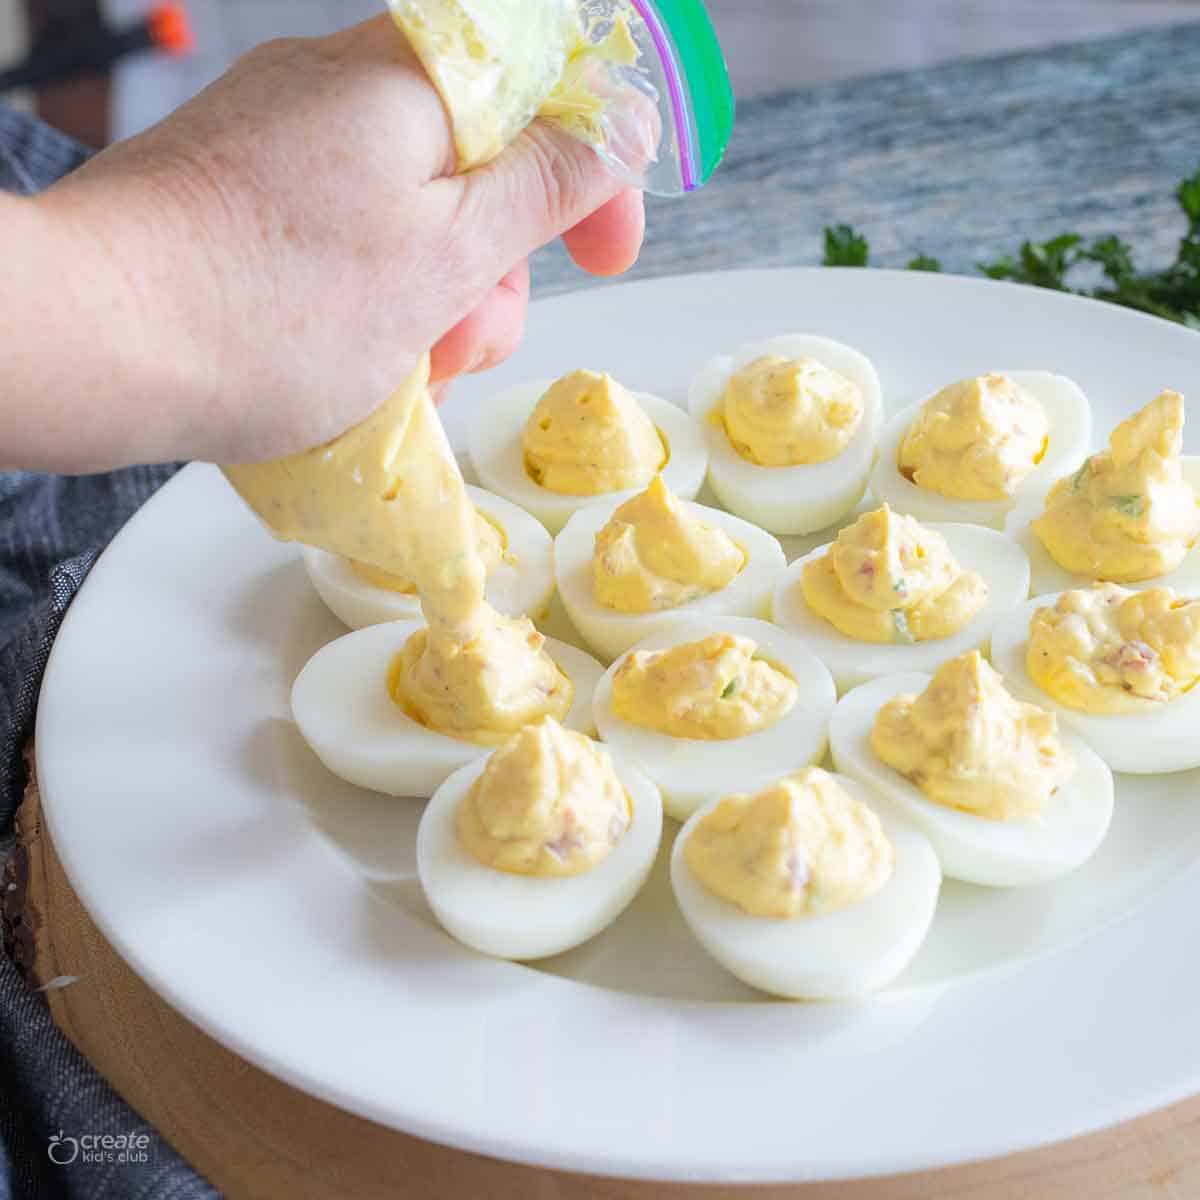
(545,183)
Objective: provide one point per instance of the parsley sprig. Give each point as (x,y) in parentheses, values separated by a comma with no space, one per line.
(1172,293)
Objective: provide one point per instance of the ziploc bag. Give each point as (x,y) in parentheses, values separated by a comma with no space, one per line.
(642,81)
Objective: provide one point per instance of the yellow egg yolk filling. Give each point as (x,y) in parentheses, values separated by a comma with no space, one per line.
(588,436)
(888,578)
(800,847)
(577,104)
(655,553)
(498,64)
(387,492)
(482,682)
(975,440)
(1127,514)
(965,742)
(783,412)
(713,689)
(548,803)
(492,547)
(1109,650)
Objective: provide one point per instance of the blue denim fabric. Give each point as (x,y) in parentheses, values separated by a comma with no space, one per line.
(51,529)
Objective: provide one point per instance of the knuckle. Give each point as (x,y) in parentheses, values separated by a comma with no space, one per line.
(562,176)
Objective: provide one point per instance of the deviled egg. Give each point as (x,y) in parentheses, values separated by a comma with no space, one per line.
(790,424)
(626,570)
(539,846)
(973,450)
(344,704)
(706,707)
(555,446)
(1118,667)
(1130,514)
(806,889)
(1005,798)
(890,594)
(516,550)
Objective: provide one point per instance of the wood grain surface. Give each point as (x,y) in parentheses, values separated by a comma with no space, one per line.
(255,1138)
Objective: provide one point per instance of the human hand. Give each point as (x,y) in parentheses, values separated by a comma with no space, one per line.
(295,237)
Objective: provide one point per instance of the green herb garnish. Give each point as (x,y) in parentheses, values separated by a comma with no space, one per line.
(1131,506)
(844,247)
(923,262)
(1080,476)
(729,689)
(903,633)
(1172,292)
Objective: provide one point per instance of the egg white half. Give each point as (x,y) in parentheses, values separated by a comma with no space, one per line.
(1002,564)
(788,500)
(826,955)
(521,585)
(495,449)
(1143,743)
(689,770)
(609,632)
(972,848)
(1047,576)
(527,916)
(341,706)
(1070,420)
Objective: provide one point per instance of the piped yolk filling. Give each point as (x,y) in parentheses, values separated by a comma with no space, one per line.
(547,803)
(713,689)
(889,579)
(1110,650)
(966,743)
(588,436)
(800,847)
(975,440)
(482,684)
(1127,514)
(783,412)
(655,553)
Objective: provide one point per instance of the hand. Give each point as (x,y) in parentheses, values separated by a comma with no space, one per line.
(292,240)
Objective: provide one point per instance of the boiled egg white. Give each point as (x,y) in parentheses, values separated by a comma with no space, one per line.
(1004,568)
(1161,739)
(797,499)
(1069,417)
(973,848)
(1047,576)
(342,707)
(498,456)
(520,585)
(608,632)
(528,916)
(822,955)
(690,770)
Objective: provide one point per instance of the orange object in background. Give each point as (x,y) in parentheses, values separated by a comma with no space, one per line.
(171,29)
(74,50)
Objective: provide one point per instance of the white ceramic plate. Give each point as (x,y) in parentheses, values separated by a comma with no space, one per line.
(278,908)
